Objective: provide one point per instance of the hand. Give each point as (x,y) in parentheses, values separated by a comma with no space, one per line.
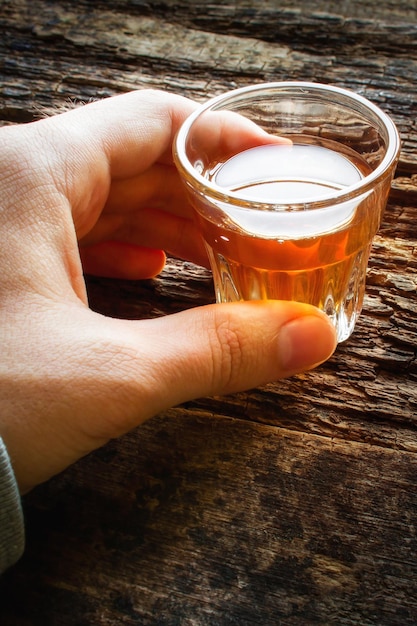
(98,184)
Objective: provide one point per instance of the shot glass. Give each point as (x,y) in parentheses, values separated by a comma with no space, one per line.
(289,182)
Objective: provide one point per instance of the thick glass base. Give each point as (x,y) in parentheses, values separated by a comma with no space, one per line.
(337,289)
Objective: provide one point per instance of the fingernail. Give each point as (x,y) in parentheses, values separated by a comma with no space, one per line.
(305,342)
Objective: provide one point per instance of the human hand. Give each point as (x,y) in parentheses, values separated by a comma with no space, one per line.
(99,182)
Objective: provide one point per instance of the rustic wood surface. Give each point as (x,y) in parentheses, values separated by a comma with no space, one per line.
(293,504)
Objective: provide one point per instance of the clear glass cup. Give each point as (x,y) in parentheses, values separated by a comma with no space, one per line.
(289,182)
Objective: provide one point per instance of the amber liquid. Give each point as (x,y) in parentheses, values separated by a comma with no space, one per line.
(318,258)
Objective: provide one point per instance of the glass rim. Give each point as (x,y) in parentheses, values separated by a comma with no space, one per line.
(218,193)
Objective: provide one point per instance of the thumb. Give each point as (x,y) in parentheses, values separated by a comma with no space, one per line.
(76,379)
(225,348)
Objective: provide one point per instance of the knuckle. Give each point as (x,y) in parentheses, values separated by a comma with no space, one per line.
(228,354)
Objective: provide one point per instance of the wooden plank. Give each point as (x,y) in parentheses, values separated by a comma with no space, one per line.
(125,50)
(191,520)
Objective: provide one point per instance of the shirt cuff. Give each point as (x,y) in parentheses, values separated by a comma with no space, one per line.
(12,534)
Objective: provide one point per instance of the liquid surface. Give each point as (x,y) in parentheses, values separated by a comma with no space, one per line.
(288,177)
(286,173)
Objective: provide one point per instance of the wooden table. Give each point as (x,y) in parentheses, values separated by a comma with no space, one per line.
(293,504)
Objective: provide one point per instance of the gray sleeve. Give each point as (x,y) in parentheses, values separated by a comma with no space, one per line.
(12,535)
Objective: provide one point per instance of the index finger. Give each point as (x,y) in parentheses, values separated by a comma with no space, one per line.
(132,130)
(82,152)
(212,137)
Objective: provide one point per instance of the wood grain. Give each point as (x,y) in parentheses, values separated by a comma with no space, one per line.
(292,504)
(78,51)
